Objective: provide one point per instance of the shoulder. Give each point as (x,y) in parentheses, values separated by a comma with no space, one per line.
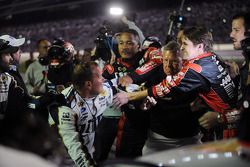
(67,90)
(107,90)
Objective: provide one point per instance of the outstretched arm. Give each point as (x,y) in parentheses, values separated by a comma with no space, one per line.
(124,97)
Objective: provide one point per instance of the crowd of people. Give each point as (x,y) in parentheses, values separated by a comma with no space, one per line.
(138,94)
(82,32)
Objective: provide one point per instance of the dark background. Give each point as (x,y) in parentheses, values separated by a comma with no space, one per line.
(14,12)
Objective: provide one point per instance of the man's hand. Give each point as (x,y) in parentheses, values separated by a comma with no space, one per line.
(208,120)
(124,19)
(148,103)
(120,99)
(125,81)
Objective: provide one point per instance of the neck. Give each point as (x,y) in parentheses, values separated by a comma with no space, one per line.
(127,62)
(84,93)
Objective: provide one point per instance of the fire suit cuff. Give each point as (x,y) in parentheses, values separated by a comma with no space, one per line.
(152,92)
(134,76)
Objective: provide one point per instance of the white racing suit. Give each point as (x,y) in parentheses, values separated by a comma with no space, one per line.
(77,125)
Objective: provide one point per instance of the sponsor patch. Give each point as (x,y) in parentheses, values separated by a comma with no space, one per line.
(83,109)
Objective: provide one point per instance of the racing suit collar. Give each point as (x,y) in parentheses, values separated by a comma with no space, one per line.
(201,56)
(124,62)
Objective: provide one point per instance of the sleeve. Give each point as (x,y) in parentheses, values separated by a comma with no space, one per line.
(71,138)
(5,84)
(142,73)
(131,25)
(28,79)
(186,81)
(108,72)
(108,89)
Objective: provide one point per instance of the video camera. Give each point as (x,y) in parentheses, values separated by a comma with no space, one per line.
(104,43)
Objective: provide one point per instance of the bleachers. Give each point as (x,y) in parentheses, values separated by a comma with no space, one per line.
(82,32)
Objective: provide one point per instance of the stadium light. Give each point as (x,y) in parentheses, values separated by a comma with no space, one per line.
(116,11)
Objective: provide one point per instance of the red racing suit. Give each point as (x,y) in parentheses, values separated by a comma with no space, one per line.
(206,76)
(149,66)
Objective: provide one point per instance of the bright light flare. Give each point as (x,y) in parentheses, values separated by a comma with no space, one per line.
(116,11)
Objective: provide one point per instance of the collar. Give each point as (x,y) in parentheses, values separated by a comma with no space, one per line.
(13,67)
(201,56)
(126,64)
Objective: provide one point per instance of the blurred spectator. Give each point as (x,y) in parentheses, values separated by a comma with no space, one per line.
(82,32)
(30,60)
(36,74)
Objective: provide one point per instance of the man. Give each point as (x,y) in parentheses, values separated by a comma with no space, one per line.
(35,76)
(172,122)
(128,47)
(60,56)
(202,73)
(15,61)
(240,25)
(9,90)
(88,97)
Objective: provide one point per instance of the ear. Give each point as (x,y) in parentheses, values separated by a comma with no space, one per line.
(201,46)
(88,83)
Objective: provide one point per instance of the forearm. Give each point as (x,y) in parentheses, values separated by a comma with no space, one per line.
(137,95)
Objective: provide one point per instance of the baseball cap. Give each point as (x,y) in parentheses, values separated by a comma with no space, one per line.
(9,44)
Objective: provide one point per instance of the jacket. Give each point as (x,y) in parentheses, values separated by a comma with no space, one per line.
(77,125)
(206,76)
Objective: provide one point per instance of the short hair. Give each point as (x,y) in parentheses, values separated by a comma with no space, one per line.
(172,46)
(245,17)
(83,72)
(40,41)
(133,32)
(200,34)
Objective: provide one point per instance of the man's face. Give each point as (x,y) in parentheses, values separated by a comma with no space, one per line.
(171,63)
(43,48)
(16,57)
(189,50)
(128,45)
(97,81)
(237,33)
(5,60)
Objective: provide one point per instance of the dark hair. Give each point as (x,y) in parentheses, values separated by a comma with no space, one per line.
(200,34)
(83,72)
(172,46)
(245,17)
(40,41)
(133,32)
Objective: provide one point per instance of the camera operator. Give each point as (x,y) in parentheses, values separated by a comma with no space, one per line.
(105,49)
